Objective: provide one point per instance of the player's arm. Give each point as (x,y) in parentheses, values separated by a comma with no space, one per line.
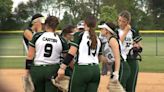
(71,53)
(69,57)
(136,39)
(30,56)
(31,53)
(71,64)
(115,48)
(28,35)
(29,59)
(125,32)
(138,44)
(65,46)
(74,47)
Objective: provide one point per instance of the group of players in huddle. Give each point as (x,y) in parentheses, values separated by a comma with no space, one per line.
(77,51)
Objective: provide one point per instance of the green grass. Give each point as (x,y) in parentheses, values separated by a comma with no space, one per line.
(12,62)
(152,64)
(150,47)
(11,45)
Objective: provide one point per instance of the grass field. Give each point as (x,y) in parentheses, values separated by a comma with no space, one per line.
(11,45)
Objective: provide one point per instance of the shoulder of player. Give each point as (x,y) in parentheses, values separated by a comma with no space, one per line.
(112,38)
(117,31)
(78,34)
(133,30)
(113,42)
(27,31)
(38,34)
(63,40)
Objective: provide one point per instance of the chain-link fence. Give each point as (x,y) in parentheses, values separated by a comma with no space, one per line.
(153,44)
(12,45)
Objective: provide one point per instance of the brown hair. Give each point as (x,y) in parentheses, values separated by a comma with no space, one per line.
(111,25)
(91,23)
(68,29)
(126,14)
(52,22)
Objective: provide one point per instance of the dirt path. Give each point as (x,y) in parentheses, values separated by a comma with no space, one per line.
(11,79)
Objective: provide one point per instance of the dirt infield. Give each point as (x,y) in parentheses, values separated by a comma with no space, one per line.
(11,79)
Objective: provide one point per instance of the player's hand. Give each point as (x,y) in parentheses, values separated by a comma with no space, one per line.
(26,72)
(128,27)
(103,59)
(61,71)
(115,76)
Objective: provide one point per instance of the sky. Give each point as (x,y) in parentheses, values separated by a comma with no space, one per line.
(16,2)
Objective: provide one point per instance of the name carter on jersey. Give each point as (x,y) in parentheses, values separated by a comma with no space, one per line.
(49,39)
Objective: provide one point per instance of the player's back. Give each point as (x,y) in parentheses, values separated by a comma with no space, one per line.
(86,54)
(48,48)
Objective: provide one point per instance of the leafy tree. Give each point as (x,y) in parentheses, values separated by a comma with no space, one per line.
(22,12)
(108,13)
(67,19)
(135,7)
(81,8)
(5,9)
(156,9)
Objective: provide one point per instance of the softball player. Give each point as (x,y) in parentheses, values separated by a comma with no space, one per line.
(36,25)
(129,37)
(105,70)
(86,73)
(67,34)
(80,26)
(111,49)
(45,51)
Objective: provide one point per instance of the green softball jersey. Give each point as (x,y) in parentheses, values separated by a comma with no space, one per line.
(85,54)
(49,48)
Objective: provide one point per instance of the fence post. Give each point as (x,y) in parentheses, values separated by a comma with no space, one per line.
(156,44)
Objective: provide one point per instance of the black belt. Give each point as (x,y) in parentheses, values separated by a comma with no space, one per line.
(91,64)
(47,64)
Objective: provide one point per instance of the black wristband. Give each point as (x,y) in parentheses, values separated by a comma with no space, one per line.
(28,63)
(68,59)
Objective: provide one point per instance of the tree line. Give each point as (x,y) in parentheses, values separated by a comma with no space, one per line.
(146,14)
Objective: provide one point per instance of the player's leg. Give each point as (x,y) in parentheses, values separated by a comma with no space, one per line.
(104,69)
(132,81)
(37,75)
(92,87)
(94,82)
(50,71)
(124,74)
(110,68)
(78,79)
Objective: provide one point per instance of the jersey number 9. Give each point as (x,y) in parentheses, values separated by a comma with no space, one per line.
(48,50)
